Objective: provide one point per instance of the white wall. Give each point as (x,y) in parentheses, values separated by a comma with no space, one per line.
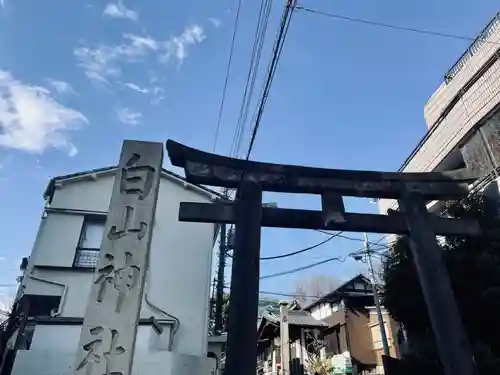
(89,195)
(63,338)
(180,258)
(58,240)
(151,363)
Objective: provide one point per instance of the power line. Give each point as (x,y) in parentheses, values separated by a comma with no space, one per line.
(332,236)
(349,238)
(279,293)
(286,294)
(387,25)
(223,99)
(299,251)
(339,259)
(260,34)
(278,48)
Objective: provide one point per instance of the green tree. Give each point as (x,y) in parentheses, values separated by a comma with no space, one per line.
(473,266)
(263,303)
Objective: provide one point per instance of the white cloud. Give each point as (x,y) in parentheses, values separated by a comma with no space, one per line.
(215,21)
(133,86)
(61,87)
(31,120)
(155,92)
(157,95)
(119,10)
(103,61)
(176,47)
(128,116)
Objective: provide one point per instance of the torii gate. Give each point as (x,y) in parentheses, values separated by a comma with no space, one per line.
(412,190)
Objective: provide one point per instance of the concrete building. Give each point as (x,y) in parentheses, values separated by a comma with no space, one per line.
(58,275)
(463,117)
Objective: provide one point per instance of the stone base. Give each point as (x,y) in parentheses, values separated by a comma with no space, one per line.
(38,362)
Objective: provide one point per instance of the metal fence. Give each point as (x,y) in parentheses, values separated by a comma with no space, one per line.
(478,43)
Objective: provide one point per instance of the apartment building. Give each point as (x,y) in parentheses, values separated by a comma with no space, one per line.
(463,117)
(59,273)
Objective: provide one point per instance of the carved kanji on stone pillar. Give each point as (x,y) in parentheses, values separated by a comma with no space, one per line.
(109,330)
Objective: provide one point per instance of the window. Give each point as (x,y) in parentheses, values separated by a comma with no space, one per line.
(87,253)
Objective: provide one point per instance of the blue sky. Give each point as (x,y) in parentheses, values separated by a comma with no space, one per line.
(76,78)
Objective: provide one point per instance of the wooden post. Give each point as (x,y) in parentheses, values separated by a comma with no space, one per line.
(107,340)
(285,339)
(454,348)
(241,357)
(303,347)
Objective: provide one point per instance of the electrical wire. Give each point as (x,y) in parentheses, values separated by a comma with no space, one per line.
(351,238)
(286,294)
(279,293)
(259,38)
(277,50)
(339,259)
(230,59)
(387,25)
(297,251)
(302,250)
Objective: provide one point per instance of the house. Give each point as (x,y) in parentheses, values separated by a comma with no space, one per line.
(304,333)
(463,119)
(353,325)
(58,274)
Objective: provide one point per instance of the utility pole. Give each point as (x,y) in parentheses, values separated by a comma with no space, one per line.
(219,296)
(381,323)
(285,339)
(212,306)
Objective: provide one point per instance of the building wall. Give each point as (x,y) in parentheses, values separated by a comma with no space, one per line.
(359,336)
(180,260)
(475,102)
(390,330)
(57,337)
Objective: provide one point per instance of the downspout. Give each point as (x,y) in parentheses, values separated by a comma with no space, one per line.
(63,295)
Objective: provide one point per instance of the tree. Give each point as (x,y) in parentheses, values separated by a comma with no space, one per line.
(473,266)
(310,289)
(263,303)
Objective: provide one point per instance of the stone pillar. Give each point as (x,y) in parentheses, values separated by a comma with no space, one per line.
(109,329)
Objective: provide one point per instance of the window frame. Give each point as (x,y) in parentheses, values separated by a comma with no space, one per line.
(88,219)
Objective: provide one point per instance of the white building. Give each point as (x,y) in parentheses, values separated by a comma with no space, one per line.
(463,116)
(59,274)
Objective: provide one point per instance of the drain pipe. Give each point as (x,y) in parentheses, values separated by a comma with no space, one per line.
(63,295)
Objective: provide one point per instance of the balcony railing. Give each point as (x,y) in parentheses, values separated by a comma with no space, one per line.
(86,258)
(478,43)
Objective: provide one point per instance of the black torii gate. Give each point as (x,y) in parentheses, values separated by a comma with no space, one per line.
(412,190)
